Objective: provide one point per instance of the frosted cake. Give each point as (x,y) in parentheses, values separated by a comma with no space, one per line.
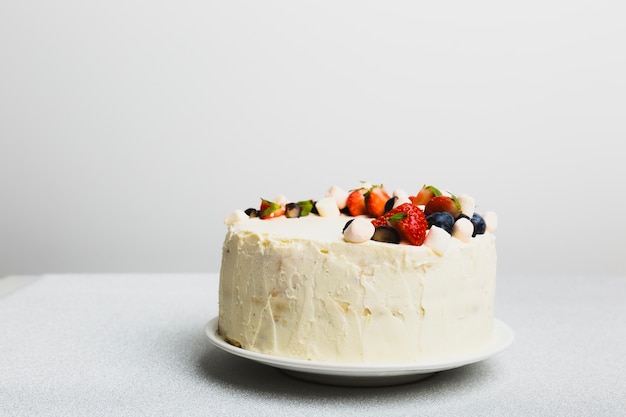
(364,275)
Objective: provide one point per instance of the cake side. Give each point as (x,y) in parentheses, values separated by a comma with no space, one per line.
(296,288)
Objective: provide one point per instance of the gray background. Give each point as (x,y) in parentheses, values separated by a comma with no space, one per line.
(128,130)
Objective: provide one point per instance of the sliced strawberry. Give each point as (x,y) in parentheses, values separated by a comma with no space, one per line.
(356,202)
(375,199)
(443,203)
(425,195)
(380,221)
(270,209)
(410,221)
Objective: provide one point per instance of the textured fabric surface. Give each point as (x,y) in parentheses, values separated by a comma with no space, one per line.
(133,345)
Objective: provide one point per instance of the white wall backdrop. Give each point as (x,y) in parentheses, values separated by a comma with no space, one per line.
(129,129)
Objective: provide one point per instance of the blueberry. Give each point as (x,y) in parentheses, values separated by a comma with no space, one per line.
(252,212)
(292,210)
(386,234)
(479,224)
(389,204)
(441,219)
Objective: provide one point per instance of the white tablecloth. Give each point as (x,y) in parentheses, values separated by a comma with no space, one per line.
(133,345)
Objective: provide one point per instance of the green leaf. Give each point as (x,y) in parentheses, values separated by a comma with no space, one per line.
(434,190)
(456,202)
(397,217)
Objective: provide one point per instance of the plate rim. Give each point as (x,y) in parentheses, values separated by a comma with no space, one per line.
(502,338)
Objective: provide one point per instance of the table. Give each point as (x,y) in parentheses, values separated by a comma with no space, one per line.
(133,345)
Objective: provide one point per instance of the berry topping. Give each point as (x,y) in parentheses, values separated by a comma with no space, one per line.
(375,199)
(386,234)
(292,210)
(441,219)
(252,212)
(443,203)
(380,221)
(270,209)
(409,221)
(356,202)
(425,195)
(479,224)
(306,207)
(395,218)
(391,203)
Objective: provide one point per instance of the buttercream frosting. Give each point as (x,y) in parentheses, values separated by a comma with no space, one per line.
(293,287)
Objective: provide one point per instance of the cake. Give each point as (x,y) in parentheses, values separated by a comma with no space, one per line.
(360,276)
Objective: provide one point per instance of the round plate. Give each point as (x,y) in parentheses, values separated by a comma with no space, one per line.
(366,374)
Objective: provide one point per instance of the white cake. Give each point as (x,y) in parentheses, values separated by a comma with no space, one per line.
(295,287)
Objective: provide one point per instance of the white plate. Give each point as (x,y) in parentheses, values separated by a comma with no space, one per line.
(371,374)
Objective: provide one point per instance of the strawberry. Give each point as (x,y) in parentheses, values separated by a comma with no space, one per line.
(443,203)
(410,221)
(380,221)
(356,202)
(375,199)
(270,209)
(425,195)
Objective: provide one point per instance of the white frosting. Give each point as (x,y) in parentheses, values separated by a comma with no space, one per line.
(296,288)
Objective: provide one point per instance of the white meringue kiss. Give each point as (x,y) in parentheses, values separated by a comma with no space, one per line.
(437,239)
(359,230)
(327,207)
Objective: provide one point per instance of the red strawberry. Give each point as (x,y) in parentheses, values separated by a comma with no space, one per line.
(356,202)
(425,195)
(270,209)
(380,221)
(443,203)
(375,199)
(410,221)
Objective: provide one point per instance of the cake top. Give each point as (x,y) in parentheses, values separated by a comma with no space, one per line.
(430,217)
